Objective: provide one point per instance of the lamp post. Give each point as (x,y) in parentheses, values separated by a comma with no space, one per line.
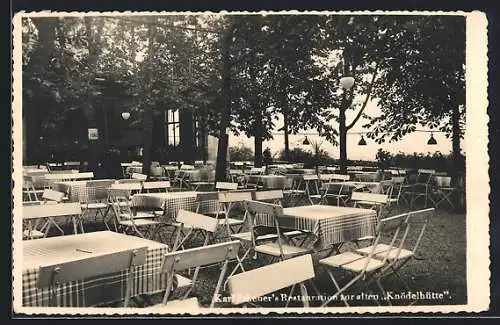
(346,83)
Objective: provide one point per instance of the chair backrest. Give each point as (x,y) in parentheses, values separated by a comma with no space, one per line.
(52,275)
(420,218)
(197,221)
(66,175)
(250,285)
(443,181)
(424,176)
(268,195)
(226,186)
(157,171)
(340,177)
(200,256)
(310,177)
(386,187)
(398,180)
(139,176)
(227,197)
(369,197)
(135,186)
(156,185)
(396,228)
(51,195)
(256,207)
(90,267)
(51,210)
(256,170)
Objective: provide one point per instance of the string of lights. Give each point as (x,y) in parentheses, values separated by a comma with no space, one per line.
(362,141)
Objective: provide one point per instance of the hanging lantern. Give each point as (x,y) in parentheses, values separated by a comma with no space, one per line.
(347,82)
(125,115)
(306,141)
(362,141)
(431,140)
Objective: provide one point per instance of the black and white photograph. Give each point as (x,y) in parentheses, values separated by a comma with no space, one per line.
(307,162)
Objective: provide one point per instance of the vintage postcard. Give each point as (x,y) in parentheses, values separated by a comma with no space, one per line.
(250,162)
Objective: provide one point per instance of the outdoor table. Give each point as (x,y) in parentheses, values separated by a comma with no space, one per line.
(105,289)
(329,224)
(350,186)
(170,202)
(365,176)
(170,170)
(269,182)
(39,180)
(309,171)
(70,187)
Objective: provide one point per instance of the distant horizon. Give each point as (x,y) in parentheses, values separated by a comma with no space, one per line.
(410,144)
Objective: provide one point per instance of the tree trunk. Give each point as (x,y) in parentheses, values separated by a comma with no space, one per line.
(34,110)
(89,109)
(343,139)
(147,140)
(258,137)
(187,136)
(285,132)
(221,166)
(148,109)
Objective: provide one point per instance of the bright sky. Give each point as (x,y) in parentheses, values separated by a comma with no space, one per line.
(414,142)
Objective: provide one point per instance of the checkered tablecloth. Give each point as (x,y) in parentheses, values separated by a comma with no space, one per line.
(104,289)
(171,202)
(330,224)
(350,186)
(268,181)
(66,186)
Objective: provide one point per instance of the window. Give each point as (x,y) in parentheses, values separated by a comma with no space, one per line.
(172,127)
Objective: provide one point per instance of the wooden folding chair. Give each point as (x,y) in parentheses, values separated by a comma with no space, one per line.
(139,176)
(198,257)
(48,196)
(52,276)
(291,191)
(156,187)
(139,223)
(373,201)
(181,179)
(280,249)
(248,286)
(49,212)
(397,187)
(398,253)
(29,191)
(254,178)
(92,199)
(421,188)
(227,201)
(362,267)
(260,234)
(340,195)
(443,191)
(195,224)
(226,186)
